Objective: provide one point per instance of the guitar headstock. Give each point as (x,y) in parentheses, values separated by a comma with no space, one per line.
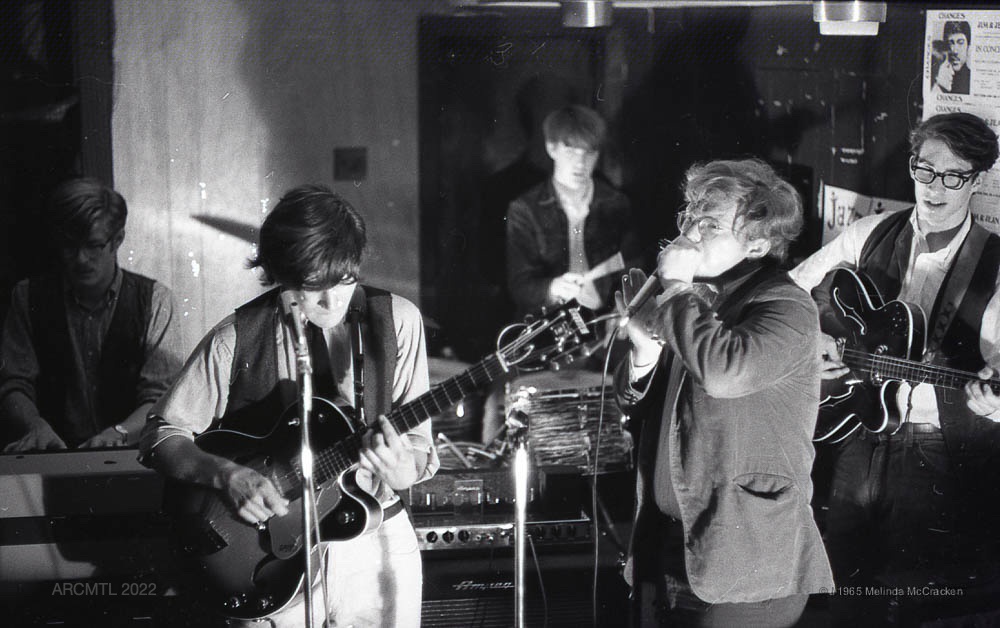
(550,339)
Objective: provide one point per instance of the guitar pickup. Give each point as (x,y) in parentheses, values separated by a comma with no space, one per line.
(197,537)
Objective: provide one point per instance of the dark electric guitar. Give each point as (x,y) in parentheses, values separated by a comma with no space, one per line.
(883,344)
(247,571)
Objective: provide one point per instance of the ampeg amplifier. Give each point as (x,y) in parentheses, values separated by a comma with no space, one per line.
(475,587)
(446,535)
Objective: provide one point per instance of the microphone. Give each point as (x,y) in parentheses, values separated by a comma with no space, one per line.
(648,289)
(295,312)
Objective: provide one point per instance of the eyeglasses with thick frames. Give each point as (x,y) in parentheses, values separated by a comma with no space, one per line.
(950,180)
(708,226)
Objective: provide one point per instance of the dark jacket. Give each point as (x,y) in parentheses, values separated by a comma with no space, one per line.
(740,443)
(538,241)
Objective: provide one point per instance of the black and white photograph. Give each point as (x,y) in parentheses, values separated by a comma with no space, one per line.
(499,314)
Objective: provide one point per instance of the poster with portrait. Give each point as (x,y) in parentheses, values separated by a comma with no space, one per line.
(962,73)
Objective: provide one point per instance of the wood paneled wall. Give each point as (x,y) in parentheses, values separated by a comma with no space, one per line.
(221,105)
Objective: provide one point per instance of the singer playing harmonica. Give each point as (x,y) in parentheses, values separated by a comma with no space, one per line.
(722,372)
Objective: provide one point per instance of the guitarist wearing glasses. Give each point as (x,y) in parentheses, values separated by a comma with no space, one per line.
(917,473)
(367,352)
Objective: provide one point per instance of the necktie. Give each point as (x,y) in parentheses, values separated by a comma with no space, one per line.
(323,384)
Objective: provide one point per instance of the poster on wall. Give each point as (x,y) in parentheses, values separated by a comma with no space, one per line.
(962,73)
(841,207)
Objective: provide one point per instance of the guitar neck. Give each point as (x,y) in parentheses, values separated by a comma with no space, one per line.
(334,460)
(886,367)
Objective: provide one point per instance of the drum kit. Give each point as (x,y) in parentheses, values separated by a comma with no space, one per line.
(573,425)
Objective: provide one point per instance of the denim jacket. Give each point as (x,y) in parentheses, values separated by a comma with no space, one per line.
(538,241)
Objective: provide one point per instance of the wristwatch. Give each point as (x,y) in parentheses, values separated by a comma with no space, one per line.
(121,429)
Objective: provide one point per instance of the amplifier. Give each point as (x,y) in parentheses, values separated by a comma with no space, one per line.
(445,535)
(475,587)
(481,495)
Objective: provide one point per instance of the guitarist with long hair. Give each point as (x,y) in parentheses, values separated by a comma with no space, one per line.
(243,375)
(909,498)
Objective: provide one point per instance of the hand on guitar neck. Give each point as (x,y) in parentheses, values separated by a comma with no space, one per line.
(983,399)
(830,363)
(386,455)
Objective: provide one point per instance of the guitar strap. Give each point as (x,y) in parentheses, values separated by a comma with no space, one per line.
(358,362)
(956,285)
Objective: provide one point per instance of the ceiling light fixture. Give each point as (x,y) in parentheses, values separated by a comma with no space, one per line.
(586,13)
(849,18)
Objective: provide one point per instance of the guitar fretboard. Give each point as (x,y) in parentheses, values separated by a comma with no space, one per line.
(887,367)
(336,459)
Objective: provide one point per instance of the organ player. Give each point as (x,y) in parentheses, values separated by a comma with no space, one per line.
(88,349)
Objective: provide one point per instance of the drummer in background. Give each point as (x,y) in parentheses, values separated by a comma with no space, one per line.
(564,227)
(569,223)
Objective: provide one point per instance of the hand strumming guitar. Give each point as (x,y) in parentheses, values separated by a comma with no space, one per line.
(250,494)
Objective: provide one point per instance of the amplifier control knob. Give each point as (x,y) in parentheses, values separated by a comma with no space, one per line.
(448,537)
(432,537)
(463,536)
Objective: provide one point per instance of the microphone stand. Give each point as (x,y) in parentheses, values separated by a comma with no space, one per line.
(303,367)
(517,433)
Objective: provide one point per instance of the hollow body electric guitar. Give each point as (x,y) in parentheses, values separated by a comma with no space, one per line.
(248,572)
(883,344)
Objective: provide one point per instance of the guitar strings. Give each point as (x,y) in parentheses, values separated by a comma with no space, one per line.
(870,361)
(334,460)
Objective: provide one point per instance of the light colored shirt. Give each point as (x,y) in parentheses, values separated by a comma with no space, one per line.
(200,395)
(19,367)
(576,205)
(921,283)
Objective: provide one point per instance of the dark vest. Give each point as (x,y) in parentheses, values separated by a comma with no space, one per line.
(884,258)
(256,396)
(122,352)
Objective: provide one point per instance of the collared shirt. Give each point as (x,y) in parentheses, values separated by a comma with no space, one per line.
(576,206)
(921,283)
(87,330)
(200,395)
